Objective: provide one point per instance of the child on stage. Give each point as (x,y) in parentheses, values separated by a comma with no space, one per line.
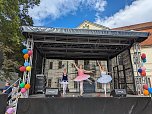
(64,81)
(81,77)
(104,78)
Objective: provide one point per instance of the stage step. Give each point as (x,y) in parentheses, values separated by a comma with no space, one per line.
(86,105)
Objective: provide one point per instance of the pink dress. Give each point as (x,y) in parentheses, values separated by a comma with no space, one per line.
(81,76)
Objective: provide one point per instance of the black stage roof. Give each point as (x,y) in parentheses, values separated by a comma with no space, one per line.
(63,43)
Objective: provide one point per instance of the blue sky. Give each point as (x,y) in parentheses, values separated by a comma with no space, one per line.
(110,13)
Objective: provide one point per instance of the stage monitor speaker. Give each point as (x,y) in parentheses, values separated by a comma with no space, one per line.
(118,93)
(52,92)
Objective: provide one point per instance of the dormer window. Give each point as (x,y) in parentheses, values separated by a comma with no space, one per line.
(86,26)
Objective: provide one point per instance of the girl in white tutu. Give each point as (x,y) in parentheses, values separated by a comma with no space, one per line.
(64,81)
(104,78)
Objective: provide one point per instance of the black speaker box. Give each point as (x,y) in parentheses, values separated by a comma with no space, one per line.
(52,92)
(118,93)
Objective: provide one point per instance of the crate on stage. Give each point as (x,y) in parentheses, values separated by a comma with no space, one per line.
(40,83)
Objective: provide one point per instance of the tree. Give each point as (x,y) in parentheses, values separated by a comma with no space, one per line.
(13,14)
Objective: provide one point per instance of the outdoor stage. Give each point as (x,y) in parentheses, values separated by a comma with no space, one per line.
(82,44)
(85,105)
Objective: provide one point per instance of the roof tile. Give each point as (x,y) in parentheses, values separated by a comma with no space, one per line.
(144,27)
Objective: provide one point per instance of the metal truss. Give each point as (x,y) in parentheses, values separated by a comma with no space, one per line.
(76,47)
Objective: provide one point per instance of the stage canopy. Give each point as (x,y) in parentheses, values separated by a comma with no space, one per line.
(64,43)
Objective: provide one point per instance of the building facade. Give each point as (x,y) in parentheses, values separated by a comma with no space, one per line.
(54,69)
(89,25)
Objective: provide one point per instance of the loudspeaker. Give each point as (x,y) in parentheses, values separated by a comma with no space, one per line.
(40,83)
(118,93)
(52,92)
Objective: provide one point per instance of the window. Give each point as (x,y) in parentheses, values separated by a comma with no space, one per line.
(86,26)
(99,86)
(59,64)
(75,84)
(120,60)
(51,65)
(49,82)
(86,64)
(76,62)
(58,84)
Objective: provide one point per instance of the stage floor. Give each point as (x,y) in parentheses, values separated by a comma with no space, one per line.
(84,95)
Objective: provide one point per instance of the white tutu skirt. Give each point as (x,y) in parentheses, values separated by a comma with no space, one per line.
(64,82)
(104,79)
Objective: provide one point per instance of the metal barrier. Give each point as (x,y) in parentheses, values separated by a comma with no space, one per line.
(11,101)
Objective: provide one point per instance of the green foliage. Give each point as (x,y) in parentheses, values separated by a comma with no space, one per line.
(13,14)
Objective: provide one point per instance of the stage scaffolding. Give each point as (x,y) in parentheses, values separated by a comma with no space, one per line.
(139,80)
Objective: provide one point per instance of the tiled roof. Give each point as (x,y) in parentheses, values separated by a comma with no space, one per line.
(145,27)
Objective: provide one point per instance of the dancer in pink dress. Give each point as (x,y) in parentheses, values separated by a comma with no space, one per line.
(81,77)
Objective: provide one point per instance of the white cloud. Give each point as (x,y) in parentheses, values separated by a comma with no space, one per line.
(99,6)
(57,8)
(139,11)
